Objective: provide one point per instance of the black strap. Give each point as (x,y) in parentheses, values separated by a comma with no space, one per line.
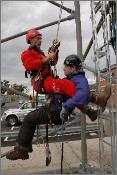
(41,86)
(46,133)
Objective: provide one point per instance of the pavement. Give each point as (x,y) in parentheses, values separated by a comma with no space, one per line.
(72,156)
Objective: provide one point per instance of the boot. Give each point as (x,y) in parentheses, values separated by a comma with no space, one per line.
(17,153)
(29,149)
(101,99)
(92,114)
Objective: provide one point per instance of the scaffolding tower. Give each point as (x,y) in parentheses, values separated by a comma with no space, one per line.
(103,6)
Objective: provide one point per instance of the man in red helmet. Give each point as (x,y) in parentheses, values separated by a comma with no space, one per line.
(38,66)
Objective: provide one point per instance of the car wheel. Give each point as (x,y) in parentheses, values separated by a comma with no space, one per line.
(12,120)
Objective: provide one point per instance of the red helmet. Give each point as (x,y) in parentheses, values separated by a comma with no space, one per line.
(32,33)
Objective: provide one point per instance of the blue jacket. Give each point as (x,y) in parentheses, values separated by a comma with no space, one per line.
(79,99)
(82,92)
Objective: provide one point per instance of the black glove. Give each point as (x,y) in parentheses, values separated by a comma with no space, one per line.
(64,114)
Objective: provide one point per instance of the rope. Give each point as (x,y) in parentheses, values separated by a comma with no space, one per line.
(65,162)
(57,34)
(59,21)
(62,140)
(61,149)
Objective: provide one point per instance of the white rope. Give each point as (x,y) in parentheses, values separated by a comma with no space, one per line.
(57,34)
(59,21)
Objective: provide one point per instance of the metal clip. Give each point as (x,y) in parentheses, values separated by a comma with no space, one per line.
(48,155)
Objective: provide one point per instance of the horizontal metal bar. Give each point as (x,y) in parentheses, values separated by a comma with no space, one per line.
(42,131)
(95,72)
(70,17)
(61,6)
(107,143)
(97,29)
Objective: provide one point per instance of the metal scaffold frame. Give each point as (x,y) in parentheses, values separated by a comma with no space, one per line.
(75,14)
(98,80)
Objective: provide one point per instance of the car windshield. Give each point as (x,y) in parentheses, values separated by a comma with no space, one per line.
(26,105)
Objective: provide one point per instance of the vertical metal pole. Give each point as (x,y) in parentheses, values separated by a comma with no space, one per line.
(78,28)
(116,100)
(79,52)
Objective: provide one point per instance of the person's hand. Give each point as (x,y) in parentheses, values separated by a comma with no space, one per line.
(52,56)
(54,62)
(64,114)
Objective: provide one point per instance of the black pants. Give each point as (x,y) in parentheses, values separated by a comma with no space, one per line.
(27,130)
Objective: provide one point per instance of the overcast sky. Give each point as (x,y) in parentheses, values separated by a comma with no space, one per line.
(18,16)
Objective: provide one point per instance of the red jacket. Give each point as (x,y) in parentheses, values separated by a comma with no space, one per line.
(31,60)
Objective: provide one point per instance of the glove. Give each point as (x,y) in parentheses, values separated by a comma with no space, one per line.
(64,114)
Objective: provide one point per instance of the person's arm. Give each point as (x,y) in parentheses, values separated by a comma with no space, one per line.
(31,64)
(80,98)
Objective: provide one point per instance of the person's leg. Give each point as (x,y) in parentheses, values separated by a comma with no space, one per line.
(26,133)
(38,116)
(102,98)
(92,113)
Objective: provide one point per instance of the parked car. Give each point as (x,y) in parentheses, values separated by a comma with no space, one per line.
(15,115)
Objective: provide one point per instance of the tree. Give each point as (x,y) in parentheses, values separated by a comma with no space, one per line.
(20,88)
(4,83)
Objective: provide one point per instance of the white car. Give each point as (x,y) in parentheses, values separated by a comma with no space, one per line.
(15,115)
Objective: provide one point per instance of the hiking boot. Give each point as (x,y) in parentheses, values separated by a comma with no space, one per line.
(92,114)
(101,99)
(29,149)
(17,153)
